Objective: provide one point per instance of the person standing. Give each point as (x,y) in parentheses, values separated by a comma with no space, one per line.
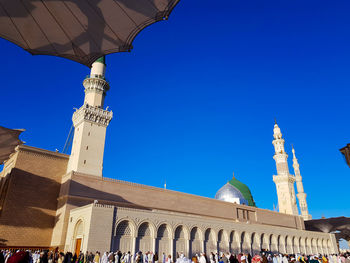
(155,258)
(97,257)
(202,258)
(127,258)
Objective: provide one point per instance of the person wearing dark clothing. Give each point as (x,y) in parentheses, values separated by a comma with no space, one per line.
(120,254)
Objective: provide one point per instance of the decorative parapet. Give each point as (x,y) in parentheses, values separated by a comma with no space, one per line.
(98,84)
(102,205)
(92,114)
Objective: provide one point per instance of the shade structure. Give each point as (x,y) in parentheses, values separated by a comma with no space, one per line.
(340,226)
(80,30)
(8,142)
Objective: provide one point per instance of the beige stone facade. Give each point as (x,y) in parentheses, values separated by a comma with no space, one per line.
(130,229)
(42,206)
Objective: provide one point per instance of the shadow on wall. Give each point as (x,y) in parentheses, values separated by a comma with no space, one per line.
(31,200)
(80,194)
(3,242)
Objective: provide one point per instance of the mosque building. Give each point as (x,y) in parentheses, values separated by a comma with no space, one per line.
(49,199)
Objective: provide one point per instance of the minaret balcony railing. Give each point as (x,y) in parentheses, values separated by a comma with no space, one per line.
(92,114)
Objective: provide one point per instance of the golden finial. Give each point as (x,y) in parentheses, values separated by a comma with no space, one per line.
(233,175)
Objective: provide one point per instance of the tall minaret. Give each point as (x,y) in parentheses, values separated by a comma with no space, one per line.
(284,180)
(301,195)
(90,123)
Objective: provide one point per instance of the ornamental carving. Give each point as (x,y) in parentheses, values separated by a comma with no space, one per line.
(92,114)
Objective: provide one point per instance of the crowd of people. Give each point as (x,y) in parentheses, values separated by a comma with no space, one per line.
(27,256)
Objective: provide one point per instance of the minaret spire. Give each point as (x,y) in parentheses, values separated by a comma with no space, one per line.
(90,123)
(284,180)
(301,195)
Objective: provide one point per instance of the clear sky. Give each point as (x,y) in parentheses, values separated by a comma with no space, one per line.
(197,97)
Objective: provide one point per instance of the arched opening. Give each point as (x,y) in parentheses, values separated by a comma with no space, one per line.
(210,242)
(222,242)
(319,246)
(281,245)
(163,240)
(314,246)
(289,245)
(234,244)
(302,245)
(195,242)
(123,237)
(78,237)
(245,243)
(296,248)
(144,240)
(255,244)
(264,242)
(308,246)
(273,244)
(324,246)
(179,241)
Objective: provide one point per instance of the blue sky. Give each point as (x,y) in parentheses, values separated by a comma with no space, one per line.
(197,97)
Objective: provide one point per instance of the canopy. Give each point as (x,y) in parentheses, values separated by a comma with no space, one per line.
(8,142)
(340,226)
(80,30)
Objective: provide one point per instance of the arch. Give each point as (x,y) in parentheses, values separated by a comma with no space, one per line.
(302,245)
(324,246)
(223,241)
(255,243)
(308,246)
(281,244)
(180,237)
(273,243)
(295,242)
(289,245)
(163,240)
(329,246)
(123,237)
(319,246)
(196,239)
(144,240)
(78,236)
(234,242)
(264,242)
(314,246)
(210,243)
(245,242)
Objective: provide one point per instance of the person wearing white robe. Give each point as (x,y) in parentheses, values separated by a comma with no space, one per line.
(150,257)
(212,257)
(168,259)
(275,259)
(104,258)
(127,257)
(284,259)
(202,259)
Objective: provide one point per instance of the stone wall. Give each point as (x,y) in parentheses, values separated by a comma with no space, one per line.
(30,183)
(172,232)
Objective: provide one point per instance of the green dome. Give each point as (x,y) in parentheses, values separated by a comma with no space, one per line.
(244,190)
(101,60)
